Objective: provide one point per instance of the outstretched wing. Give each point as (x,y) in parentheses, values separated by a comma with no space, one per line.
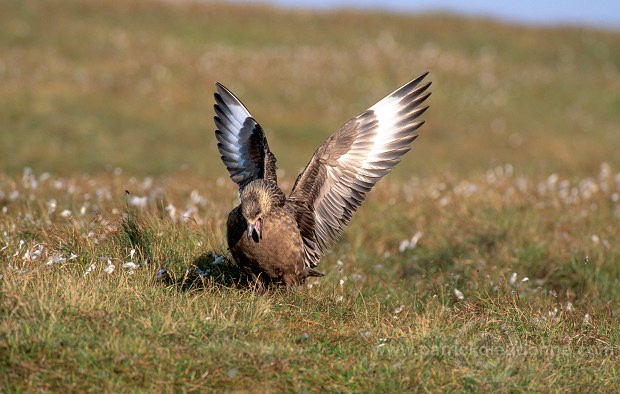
(241,140)
(351,162)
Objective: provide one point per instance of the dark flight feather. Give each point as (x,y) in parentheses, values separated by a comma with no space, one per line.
(241,141)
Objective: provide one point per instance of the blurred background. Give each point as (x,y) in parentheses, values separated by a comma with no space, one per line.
(597,13)
(99,86)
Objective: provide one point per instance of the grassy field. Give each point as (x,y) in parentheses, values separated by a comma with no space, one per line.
(487,262)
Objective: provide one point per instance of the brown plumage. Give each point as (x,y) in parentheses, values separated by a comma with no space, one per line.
(281,239)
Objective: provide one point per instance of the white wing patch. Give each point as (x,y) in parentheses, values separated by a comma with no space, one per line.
(382,136)
(386,113)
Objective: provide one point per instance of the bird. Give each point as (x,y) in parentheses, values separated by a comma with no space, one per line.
(279,239)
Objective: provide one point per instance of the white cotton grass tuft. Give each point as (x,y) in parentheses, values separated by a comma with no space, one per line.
(66,213)
(513,278)
(586,319)
(56,258)
(109,268)
(33,254)
(137,201)
(51,206)
(172,212)
(459,294)
(130,266)
(90,269)
(406,244)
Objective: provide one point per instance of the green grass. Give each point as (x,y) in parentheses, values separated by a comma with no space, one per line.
(512,193)
(387,320)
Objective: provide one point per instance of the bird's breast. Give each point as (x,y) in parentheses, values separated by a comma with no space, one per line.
(278,252)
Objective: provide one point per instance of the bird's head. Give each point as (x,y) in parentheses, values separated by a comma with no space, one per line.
(256,203)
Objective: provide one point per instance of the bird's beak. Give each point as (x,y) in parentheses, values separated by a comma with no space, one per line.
(250,230)
(256,226)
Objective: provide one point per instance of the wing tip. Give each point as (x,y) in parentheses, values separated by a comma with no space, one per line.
(416,81)
(226,96)
(220,90)
(412,87)
(422,76)
(220,87)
